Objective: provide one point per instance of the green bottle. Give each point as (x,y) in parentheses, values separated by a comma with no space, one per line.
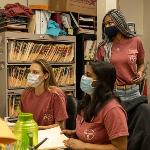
(26,131)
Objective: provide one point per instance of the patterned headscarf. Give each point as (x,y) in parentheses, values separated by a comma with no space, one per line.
(121,24)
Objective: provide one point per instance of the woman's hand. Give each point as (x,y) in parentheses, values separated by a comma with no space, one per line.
(74,144)
(139,77)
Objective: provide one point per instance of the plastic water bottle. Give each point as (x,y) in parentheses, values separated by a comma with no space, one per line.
(26,131)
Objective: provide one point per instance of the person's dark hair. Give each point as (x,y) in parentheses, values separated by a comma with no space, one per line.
(106,77)
(120,22)
(46,68)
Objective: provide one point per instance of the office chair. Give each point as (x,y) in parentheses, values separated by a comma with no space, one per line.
(138,111)
(71,106)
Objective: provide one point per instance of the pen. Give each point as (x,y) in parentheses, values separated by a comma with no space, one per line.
(38,145)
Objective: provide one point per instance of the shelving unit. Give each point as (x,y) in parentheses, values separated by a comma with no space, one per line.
(79,23)
(16,50)
(87,23)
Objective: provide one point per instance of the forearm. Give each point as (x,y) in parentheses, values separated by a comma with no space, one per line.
(140,68)
(47,127)
(119,143)
(57,123)
(89,146)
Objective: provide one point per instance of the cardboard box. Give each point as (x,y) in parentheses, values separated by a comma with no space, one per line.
(87,7)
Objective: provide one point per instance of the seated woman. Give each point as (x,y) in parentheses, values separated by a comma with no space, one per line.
(43,98)
(101,123)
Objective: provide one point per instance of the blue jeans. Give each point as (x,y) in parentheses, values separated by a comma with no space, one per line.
(128,94)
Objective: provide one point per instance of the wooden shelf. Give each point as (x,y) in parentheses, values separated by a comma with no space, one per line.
(39,7)
(25,63)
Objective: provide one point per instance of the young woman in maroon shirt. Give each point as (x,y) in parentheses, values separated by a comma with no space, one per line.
(101,123)
(125,51)
(43,98)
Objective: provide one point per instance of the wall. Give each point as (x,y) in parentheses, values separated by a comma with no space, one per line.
(133,10)
(110,4)
(102,7)
(137,11)
(146,24)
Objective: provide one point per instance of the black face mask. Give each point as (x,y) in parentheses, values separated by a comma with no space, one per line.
(111,31)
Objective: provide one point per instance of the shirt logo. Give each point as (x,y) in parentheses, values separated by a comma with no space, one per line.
(89,134)
(132,54)
(48,117)
(132,58)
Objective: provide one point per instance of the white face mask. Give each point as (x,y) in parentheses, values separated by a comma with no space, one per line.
(33,80)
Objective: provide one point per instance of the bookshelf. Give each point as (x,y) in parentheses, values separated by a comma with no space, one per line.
(86,46)
(87,23)
(79,23)
(17,50)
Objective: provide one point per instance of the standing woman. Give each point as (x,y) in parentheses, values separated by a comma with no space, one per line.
(43,98)
(125,51)
(101,122)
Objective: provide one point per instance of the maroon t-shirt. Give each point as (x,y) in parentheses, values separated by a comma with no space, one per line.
(124,56)
(46,108)
(110,123)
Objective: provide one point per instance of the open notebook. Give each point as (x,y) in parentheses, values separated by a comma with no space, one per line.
(55,139)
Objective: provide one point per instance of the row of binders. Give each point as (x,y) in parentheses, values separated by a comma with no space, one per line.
(29,51)
(17,78)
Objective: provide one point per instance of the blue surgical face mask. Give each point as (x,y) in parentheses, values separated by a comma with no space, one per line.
(86,85)
(111,31)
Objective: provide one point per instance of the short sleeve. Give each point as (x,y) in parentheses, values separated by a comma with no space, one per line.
(59,105)
(140,48)
(116,123)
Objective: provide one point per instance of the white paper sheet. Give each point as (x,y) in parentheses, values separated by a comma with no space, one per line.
(55,139)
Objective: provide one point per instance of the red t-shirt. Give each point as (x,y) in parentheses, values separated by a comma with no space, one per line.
(110,123)
(124,56)
(46,108)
